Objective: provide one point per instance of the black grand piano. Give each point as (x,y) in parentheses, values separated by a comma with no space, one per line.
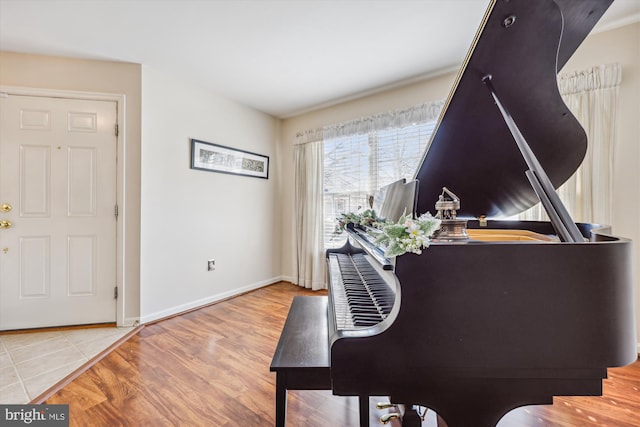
(504,313)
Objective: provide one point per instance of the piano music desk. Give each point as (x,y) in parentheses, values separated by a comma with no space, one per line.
(301,359)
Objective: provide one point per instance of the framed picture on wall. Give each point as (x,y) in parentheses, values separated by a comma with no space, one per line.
(218,158)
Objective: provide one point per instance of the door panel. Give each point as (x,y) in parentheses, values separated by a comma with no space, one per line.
(35,181)
(35,267)
(58,172)
(82,181)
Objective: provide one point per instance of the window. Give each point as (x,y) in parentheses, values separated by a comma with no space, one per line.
(355,166)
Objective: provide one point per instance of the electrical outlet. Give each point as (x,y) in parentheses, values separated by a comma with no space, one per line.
(211,265)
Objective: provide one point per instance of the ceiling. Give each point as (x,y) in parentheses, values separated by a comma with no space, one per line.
(282,57)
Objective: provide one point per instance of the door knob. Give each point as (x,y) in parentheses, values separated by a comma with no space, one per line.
(5,207)
(5,224)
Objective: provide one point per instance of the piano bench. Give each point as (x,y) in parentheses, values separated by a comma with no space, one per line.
(301,359)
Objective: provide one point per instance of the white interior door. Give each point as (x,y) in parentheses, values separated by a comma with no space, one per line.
(57,212)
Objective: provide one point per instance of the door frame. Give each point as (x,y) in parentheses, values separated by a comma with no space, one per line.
(119,99)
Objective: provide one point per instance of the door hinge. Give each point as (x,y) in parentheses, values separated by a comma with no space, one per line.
(115,293)
(117,130)
(116,212)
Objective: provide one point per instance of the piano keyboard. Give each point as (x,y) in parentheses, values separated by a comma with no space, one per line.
(361,297)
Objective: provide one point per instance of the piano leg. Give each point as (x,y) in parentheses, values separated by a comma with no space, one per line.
(363,402)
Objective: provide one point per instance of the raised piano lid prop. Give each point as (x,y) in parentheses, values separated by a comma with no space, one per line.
(479,326)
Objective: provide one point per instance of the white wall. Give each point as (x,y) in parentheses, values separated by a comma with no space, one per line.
(189,216)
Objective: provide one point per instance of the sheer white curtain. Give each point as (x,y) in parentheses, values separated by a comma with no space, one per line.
(592,96)
(308,211)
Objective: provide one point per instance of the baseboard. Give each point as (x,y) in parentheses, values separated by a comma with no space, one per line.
(182,308)
(289,279)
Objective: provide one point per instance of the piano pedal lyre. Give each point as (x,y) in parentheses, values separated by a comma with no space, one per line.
(412,417)
(387,418)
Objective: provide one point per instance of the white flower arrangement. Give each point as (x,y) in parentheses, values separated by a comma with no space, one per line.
(408,234)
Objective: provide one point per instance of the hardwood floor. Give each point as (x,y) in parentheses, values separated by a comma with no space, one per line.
(210,367)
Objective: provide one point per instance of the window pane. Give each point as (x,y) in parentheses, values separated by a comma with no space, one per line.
(356,166)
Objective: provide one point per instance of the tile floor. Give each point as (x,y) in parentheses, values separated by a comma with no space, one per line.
(31,363)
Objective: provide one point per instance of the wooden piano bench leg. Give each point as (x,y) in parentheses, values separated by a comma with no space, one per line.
(281,399)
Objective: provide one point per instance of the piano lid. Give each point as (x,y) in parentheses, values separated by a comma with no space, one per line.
(522,44)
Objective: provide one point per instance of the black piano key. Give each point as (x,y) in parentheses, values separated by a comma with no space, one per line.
(368,298)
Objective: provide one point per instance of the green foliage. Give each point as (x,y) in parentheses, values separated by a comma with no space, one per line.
(406,235)
(367,218)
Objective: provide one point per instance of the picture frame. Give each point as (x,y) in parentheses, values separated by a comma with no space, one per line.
(212,157)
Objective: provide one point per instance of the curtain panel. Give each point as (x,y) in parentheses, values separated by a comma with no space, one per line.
(592,97)
(308,215)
